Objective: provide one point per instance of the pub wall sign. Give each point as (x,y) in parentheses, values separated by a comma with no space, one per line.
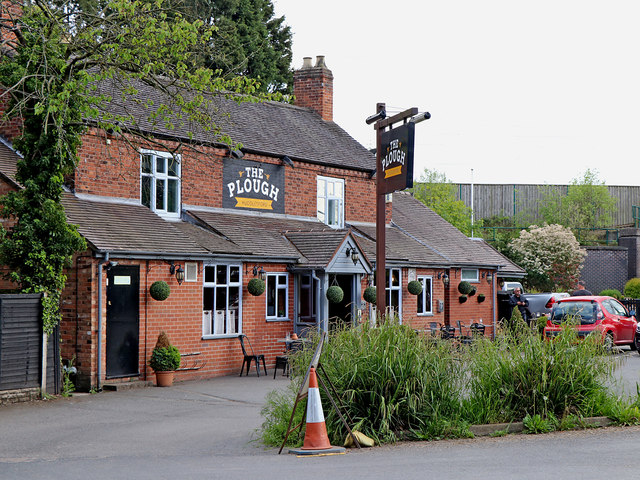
(396,157)
(252,185)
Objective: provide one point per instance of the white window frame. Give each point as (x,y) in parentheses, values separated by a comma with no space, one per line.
(276,276)
(469,275)
(164,177)
(426,307)
(209,317)
(394,288)
(324,199)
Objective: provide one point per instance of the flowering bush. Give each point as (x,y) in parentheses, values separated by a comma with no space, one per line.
(551,251)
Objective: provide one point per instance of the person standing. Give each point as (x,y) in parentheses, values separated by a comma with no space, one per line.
(580,291)
(517,300)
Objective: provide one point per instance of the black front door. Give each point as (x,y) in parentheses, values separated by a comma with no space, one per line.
(341,314)
(123,320)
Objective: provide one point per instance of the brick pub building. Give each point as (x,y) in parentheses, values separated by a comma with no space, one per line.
(295,206)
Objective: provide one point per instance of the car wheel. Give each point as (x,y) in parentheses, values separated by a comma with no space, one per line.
(607,343)
(636,343)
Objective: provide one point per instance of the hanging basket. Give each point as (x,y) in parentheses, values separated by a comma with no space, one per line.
(472,292)
(369,295)
(335,294)
(414,287)
(464,287)
(462,298)
(256,287)
(159,290)
(481,298)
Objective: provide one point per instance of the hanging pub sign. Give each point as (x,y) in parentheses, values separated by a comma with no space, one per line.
(396,158)
(254,186)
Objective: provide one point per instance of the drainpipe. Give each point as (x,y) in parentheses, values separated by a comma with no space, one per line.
(317,294)
(101,263)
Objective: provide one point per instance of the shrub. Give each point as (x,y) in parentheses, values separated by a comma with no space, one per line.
(256,287)
(612,292)
(464,287)
(164,357)
(414,287)
(159,290)
(632,288)
(369,295)
(335,294)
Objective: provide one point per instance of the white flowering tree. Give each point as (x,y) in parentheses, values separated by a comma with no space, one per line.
(551,255)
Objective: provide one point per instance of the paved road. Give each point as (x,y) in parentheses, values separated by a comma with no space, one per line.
(205,430)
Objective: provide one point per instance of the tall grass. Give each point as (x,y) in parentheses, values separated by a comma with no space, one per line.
(394,383)
(522,374)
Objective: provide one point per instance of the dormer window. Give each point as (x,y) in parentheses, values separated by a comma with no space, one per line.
(330,200)
(160,182)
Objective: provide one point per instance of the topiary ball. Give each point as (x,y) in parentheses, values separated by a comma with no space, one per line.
(414,287)
(159,290)
(256,286)
(335,294)
(464,287)
(370,295)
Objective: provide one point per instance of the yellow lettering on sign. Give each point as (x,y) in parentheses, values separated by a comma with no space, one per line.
(392,172)
(254,203)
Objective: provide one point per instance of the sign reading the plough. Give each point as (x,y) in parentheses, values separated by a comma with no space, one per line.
(396,157)
(251,185)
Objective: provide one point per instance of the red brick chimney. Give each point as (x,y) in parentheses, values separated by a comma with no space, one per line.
(313,87)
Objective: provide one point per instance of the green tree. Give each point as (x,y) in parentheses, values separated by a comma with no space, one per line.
(439,194)
(587,203)
(248,40)
(52,62)
(549,254)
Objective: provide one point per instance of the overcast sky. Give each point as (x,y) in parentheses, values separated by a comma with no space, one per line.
(520,92)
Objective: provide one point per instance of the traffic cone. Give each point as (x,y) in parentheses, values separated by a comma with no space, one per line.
(316,440)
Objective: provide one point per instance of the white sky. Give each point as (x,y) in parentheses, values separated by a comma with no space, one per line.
(520,92)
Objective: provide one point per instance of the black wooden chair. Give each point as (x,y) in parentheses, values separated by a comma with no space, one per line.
(282,361)
(464,339)
(447,332)
(477,330)
(250,356)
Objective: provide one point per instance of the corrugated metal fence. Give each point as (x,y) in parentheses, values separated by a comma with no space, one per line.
(21,345)
(522,200)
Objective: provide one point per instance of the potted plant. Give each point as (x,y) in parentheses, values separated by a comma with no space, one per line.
(165,360)
(462,298)
(414,287)
(480,298)
(159,290)
(369,295)
(335,294)
(256,287)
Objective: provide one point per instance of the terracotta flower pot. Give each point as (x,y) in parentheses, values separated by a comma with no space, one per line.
(164,379)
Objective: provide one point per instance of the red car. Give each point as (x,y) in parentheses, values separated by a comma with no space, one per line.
(604,315)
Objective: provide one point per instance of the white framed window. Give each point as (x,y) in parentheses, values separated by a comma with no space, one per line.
(393,291)
(160,182)
(469,274)
(330,201)
(222,290)
(277,296)
(425,307)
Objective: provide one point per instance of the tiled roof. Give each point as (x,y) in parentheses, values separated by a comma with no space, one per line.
(117,227)
(271,128)
(317,248)
(507,268)
(264,236)
(8,160)
(422,223)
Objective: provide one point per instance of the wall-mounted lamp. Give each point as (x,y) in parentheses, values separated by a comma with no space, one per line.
(178,271)
(287,161)
(489,278)
(444,277)
(353,253)
(258,271)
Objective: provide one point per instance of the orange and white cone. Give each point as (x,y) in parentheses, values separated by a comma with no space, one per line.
(316,440)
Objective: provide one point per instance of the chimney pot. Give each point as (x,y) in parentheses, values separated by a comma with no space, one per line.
(320,61)
(306,62)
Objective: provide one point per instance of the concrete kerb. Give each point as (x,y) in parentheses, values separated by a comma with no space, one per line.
(518,427)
